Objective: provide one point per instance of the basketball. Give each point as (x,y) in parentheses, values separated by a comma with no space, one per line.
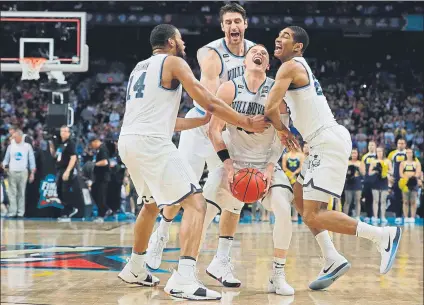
(248,185)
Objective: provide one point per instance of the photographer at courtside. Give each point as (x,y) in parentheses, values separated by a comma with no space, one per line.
(66,160)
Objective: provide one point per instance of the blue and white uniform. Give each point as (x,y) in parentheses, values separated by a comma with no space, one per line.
(194,144)
(248,150)
(324,170)
(145,143)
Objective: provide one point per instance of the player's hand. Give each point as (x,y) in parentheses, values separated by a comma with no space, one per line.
(229,169)
(65,176)
(289,140)
(207,118)
(257,124)
(31,178)
(269,171)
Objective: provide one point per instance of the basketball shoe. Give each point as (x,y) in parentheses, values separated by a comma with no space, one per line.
(157,244)
(278,284)
(140,276)
(330,272)
(189,288)
(221,270)
(388,246)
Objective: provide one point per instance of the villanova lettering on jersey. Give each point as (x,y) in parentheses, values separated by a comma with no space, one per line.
(235,72)
(248,108)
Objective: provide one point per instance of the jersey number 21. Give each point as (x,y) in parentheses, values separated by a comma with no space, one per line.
(138,87)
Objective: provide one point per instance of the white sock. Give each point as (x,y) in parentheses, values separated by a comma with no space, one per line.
(278,263)
(163,228)
(367,231)
(224,247)
(137,261)
(187,266)
(326,244)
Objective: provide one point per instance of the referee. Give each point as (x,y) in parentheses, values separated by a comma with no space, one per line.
(66,160)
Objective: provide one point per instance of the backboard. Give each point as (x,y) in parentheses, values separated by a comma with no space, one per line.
(59,37)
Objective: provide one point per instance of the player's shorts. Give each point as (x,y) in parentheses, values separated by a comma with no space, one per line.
(217,192)
(324,171)
(157,169)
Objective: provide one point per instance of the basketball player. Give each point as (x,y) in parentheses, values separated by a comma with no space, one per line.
(239,149)
(330,147)
(220,61)
(153,161)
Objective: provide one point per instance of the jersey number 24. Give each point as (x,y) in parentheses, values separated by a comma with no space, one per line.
(138,87)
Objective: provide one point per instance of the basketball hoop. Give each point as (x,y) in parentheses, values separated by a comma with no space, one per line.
(31,67)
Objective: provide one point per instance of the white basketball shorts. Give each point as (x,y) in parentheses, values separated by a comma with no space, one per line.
(156,167)
(196,147)
(217,192)
(323,172)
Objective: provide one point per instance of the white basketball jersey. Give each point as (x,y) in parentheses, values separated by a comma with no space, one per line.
(308,106)
(150,109)
(242,145)
(231,65)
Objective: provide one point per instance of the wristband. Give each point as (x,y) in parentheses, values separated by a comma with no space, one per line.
(223,154)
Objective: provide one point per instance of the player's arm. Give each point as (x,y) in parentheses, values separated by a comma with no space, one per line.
(182,72)
(283,80)
(211,68)
(190,123)
(225,92)
(277,147)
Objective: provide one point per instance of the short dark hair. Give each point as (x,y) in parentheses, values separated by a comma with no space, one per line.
(232,8)
(160,35)
(300,35)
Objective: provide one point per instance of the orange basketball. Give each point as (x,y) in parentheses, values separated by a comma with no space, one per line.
(248,185)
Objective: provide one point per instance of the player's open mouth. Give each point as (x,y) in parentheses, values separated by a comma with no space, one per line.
(278,48)
(235,35)
(257,60)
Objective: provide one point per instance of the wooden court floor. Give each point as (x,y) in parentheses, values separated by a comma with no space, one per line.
(77,263)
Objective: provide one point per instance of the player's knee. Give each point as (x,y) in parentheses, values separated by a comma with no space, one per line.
(196,204)
(309,218)
(150,209)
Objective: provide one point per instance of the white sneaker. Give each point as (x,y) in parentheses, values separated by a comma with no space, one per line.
(222,271)
(410,220)
(384,221)
(332,270)
(388,247)
(143,277)
(278,284)
(157,244)
(374,220)
(398,220)
(189,288)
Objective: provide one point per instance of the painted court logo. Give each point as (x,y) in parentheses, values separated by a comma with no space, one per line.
(48,193)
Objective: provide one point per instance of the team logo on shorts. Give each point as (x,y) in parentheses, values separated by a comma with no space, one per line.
(315,162)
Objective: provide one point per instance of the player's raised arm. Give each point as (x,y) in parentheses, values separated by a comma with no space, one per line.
(226,93)
(278,91)
(211,68)
(182,72)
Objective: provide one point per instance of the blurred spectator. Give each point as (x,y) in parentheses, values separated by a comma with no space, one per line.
(101,172)
(18,160)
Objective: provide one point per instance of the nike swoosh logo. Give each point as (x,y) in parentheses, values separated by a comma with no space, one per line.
(388,246)
(175,291)
(136,276)
(326,270)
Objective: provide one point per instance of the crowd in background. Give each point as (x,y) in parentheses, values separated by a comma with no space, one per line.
(381,102)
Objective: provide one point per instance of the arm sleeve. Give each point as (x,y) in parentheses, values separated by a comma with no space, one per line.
(7,157)
(31,158)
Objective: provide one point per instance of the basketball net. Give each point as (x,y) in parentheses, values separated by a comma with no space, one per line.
(31,67)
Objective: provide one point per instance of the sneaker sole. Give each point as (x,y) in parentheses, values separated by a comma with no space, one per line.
(226,284)
(395,246)
(145,284)
(183,296)
(329,279)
